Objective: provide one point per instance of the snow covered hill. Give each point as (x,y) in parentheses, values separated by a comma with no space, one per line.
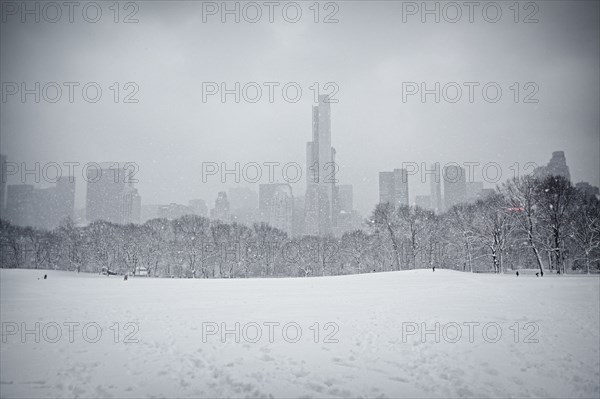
(165,337)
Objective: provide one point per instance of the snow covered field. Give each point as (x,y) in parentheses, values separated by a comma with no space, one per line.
(376,320)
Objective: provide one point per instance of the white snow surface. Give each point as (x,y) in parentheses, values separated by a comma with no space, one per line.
(371,358)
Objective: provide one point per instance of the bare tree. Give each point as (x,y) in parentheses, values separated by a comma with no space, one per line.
(556,198)
(586,230)
(384,221)
(521,194)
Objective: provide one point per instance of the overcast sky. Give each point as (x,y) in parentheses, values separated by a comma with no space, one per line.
(368,54)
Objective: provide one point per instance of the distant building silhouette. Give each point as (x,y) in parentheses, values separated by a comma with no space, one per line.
(455,185)
(221,209)
(131,205)
(43,208)
(20,204)
(393,187)
(276,205)
(320,200)
(435,186)
(111,195)
(557,166)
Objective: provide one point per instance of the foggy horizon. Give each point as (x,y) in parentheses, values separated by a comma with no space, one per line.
(368,54)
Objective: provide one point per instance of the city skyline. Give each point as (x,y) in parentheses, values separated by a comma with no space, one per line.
(169,143)
(353,198)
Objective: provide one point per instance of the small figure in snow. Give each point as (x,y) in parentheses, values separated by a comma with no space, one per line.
(434,268)
(558,272)
(125,278)
(537,274)
(517,273)
(45,276)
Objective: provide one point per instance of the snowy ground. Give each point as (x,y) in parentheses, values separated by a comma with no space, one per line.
(372,358)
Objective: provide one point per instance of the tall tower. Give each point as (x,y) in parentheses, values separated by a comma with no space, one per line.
(221,209)
(436,189)
(558,165)
(321,201)
(393,187)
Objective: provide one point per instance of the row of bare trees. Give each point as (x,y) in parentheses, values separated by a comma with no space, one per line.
(527,223)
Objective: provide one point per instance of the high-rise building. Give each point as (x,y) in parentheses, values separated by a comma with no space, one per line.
(393,187)
(455,185)
(53,205)
(43,208)
(2,183)
(111,195)
(20,204)
(386,187)
(276,205)
(435,186)
(221,209)
(131,206)
(320,201)
(557,166)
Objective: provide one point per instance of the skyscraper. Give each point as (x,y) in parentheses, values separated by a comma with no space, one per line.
(276,205)
(44,208)
(436,188)
(321,201)
(557,166)
(131,205)
(386,187)
(455,185)
(111,195)
(221,209)
(20,204)
(393,187)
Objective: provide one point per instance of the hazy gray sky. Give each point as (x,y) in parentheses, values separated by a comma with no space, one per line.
(368,54)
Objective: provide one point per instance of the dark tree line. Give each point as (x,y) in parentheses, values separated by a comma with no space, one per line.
(545,224)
